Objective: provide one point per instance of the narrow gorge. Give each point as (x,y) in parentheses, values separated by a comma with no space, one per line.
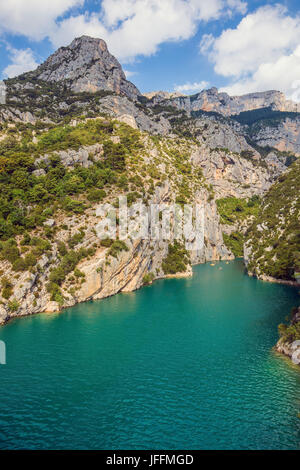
(75,133)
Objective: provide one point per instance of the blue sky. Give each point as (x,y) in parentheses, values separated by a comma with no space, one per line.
(239,46)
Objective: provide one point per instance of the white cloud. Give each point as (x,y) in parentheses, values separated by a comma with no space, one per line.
(237,5)
(76,26)
(138,27)
(130,27)
(22,61)
(277,75)
(33,18)
(261,53)
(189,87)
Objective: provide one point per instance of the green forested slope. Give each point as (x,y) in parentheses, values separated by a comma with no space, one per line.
(273,241)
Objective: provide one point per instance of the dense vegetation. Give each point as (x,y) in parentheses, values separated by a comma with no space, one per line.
(51,100)
(274,237)
(267,116)
(176,260)
(232,209)
(27,200)
(235,243)
(291,332)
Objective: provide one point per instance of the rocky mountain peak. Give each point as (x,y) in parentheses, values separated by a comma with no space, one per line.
(86,65)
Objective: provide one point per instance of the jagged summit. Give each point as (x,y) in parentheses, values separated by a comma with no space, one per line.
(86,65)
(220,102)
(213,100)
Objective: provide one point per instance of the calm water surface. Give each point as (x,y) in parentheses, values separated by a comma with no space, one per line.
(183,364)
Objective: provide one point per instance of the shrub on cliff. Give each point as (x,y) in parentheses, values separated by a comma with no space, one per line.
(7,288)
(290,333)
(9,251)
(117,247)
(148,278)
(176,260)
(274,237)
(235,243)
(96,195)
(13,305)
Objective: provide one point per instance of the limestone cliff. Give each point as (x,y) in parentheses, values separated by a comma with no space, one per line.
(213,101)
(100,271)
(75,133)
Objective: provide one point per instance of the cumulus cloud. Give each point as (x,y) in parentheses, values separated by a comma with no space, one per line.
(22,60)
(75,26)
(33,18)
(130,27)
(138,27)
(188,88)
(282,74)
(261,53)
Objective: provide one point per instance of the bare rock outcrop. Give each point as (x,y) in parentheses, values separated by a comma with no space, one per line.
(213,101)
(105,276)
(86,65)
(291,348)
(285,137)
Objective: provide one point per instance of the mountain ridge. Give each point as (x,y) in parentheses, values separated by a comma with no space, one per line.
(86,65)
(211,100)
(75,132)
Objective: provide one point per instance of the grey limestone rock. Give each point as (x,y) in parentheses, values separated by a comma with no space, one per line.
(86,65)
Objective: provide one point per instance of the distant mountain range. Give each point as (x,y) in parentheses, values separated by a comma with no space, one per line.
(87,66)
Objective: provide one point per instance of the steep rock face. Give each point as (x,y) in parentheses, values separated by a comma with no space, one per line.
(14,114)
(231,175)
(216,133)
(86,66)
(285,137)
(211,100)
(118,106)
(158,96)
(55,106)
(123,273)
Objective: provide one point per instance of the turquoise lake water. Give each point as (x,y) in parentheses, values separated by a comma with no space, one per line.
(182,364)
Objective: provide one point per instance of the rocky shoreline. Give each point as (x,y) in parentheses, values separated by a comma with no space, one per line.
(291,348)
(265,278)
(104,275)
(160,149)
(53,307)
